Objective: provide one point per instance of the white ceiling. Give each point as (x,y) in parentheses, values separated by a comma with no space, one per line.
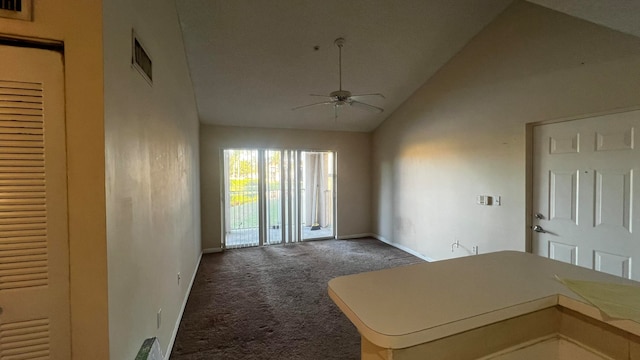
(621,15)
(252,61)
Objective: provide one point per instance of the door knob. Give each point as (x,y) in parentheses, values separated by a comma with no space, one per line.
(538,228)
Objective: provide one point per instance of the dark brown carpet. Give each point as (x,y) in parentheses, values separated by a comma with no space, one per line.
(272,302)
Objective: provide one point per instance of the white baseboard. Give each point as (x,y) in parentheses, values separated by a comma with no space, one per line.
(354,236)
(211,250)
(184,304)
(403,248)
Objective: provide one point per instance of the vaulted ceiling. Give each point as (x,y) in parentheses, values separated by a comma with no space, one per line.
(252,61)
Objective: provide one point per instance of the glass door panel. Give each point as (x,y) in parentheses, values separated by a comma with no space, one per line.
(317,195)
(274,189)
(241,194)
(291,207)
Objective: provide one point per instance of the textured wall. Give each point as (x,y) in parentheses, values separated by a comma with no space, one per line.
(354,189)
(152,181)
(463,133)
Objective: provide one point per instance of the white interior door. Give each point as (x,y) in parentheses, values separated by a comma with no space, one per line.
(585,193)
(34,263)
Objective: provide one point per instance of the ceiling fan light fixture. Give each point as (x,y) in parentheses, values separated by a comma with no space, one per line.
(343,97)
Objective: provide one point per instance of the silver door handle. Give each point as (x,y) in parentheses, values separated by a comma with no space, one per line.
(538,228)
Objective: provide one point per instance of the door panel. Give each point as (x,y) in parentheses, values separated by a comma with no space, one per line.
(241,198)
(564,144)
(613,264)
(563,190)
(34,263)
(583,190)
(622,139)
(563,252)
(613,199)
(274,192)
(317,184)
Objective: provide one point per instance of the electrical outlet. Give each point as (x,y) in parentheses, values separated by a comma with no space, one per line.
(159,318)
(179,277)
(475,250)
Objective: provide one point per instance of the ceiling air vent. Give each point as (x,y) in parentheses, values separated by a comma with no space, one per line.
(16,9)
(140,59)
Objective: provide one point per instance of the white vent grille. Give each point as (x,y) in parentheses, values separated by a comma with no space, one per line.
(25,340)
(23,212)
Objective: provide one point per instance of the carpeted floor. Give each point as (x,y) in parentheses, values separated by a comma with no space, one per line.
(272,302)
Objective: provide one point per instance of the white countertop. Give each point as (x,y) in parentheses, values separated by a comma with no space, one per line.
(409,305)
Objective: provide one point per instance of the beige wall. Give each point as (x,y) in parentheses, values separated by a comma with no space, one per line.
(463,133)
(354,188)
(79,25)
(152,181)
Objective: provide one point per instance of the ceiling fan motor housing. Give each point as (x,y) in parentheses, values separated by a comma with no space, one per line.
(340,95)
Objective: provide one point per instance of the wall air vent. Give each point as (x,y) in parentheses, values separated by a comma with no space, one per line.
(16,9)
(140,59)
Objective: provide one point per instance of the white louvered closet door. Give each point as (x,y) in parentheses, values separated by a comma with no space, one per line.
(34,252)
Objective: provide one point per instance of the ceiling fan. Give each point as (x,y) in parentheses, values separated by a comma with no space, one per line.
(341,97)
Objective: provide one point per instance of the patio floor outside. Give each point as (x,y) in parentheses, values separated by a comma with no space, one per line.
(249,237)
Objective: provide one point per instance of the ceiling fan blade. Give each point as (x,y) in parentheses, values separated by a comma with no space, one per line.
(316,104)
(365,106)
(374,94)
(342,97)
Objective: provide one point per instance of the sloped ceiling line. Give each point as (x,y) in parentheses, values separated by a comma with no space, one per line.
(252,61)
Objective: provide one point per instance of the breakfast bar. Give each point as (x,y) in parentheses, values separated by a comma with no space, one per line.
(488,306)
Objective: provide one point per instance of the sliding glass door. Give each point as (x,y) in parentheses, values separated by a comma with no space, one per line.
(277,196)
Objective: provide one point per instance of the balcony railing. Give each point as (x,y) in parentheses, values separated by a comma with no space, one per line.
(244,220)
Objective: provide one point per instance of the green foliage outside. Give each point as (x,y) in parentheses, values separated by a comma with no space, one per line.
(243,191)
(244,203)
(245,215)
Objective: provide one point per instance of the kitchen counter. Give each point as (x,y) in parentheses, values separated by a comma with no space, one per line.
(408,306)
